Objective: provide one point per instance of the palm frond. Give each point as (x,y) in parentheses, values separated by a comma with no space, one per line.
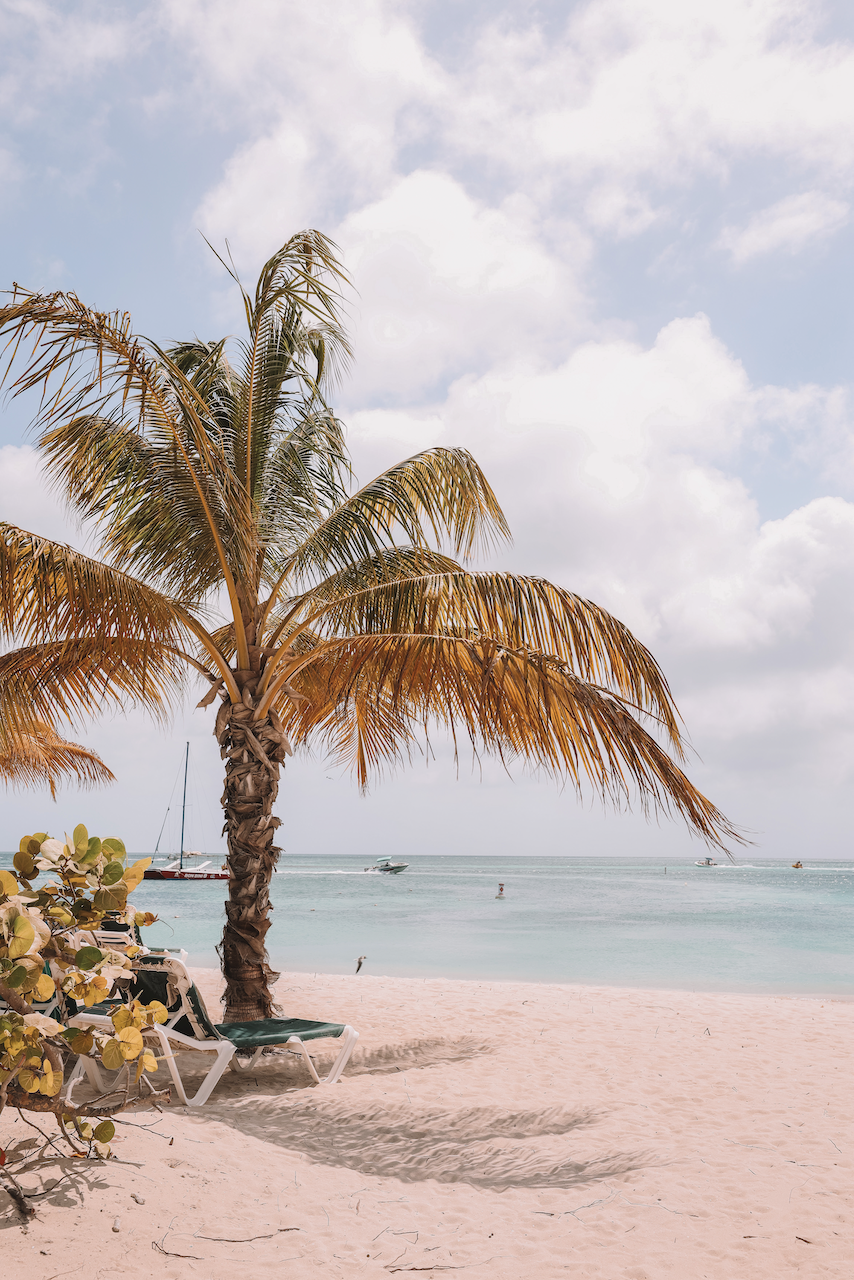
(49,590)
(513,704)
(40,757)
(102,370)
(515,612)
(442,491)
(70,679)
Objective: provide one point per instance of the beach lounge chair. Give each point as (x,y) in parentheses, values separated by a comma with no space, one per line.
(189,1026)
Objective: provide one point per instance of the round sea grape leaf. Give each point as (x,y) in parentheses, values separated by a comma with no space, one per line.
(112,872)
(24,863)
(121,1018)
(8,883)
(82,1042)
(23,939)
(17,977)
(87,957)
(45,988)
(131,1041)
(28,1080)
(105,1131)
(112,1055)
(80,837)
(112,899)
(115,847)
(157,1011)
(82,907)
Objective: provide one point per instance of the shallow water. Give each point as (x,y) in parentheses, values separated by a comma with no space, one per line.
(759,927)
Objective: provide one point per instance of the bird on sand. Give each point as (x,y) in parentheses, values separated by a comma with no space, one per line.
(359,962)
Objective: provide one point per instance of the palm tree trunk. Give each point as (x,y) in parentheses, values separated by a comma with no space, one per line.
(254,751)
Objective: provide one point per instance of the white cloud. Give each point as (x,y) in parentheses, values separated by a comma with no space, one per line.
(787,226)
(615,469)
(324,89)
(657,92)
(447,284)
(27,500)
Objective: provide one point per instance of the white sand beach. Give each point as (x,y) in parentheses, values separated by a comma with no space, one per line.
(501,1130)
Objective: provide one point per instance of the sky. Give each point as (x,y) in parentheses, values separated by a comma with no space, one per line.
(606,246)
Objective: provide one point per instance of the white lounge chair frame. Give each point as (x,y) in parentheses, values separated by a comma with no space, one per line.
(186,1002)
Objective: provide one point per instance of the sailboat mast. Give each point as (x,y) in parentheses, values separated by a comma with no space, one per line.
(184,805)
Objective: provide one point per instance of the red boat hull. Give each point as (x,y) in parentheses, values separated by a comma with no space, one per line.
(185,875)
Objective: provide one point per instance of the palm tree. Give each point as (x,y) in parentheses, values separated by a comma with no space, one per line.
(233,543)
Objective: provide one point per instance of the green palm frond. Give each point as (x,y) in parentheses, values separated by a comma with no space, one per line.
(440,491)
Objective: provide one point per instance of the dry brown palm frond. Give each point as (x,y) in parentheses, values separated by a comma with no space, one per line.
(67,679)
(513,611)
(49,590)
(511,703)
(40,757)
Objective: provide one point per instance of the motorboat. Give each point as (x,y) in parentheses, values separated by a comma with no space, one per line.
(706,862)
(388,867)
(797,866)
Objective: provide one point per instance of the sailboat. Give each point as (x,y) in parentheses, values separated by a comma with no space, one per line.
(175,870)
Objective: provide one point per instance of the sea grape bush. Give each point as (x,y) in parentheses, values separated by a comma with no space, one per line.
(45,962)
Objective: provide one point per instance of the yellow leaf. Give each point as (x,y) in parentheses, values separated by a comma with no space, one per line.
(131,1042)
(23,939)
(112,1055)
(121,1018)
(45,988)
(82,1043)
(28,1081)
(8,883)
(157,1011)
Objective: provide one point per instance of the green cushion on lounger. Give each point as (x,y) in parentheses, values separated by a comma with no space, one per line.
(251,1035)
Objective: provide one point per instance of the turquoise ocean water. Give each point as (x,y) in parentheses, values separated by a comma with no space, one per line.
(760,926)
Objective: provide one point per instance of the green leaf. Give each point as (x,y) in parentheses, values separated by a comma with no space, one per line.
(105,1132)
(24,863)
(82,907)
(112,873)
(87,957)
(17,977)
(112,1055)
(116,847)
(80,837)
(112,899)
